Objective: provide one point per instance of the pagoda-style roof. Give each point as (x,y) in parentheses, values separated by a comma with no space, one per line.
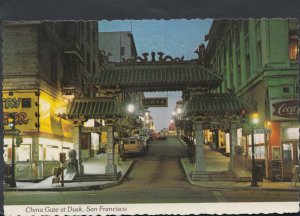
(94,108)
(216,104)
(161,76)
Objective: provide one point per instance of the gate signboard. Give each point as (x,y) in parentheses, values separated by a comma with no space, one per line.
(155,102)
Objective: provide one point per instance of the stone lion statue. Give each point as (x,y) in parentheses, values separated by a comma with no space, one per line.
(72,164)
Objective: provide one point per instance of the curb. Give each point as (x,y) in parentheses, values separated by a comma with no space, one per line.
(216,187)
(80,188)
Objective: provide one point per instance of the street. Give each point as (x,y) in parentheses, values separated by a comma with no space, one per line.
(156,177)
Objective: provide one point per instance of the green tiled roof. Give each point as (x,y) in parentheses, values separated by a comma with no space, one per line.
(157,77)
(94,108)
(216,104)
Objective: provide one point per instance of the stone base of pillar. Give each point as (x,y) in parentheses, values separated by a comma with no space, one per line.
(200,167)
(230,166)
(111,169)
(81,169)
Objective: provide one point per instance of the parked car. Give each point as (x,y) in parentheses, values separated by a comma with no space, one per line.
(162,135)
(133,145)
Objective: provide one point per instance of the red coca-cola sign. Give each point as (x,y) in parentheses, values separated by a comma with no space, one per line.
(286,109)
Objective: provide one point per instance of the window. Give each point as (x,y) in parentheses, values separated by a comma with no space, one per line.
(239,75)
(258,54)
(286,90)
(293,47)
(53,69)
(88,32)
(88,67)
(122,51)
(237,37)
(94,67)
(247,66)
(246,27)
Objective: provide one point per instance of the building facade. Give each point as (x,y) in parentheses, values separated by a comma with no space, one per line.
(45,66)
(259,62)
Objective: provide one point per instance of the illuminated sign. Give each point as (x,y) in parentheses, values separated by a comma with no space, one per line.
(284,109)
(155,102)
(20,103)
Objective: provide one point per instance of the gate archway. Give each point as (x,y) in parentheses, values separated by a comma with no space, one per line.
(200,105)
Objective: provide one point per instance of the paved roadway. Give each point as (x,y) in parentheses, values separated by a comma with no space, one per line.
(156,177)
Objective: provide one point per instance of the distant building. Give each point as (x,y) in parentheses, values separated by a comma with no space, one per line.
(120,45)
(259,62)
(45,65)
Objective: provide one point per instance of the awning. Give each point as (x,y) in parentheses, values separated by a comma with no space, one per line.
(157,77)
(216,104)
(94,108)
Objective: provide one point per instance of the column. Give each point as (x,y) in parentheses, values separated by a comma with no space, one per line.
(233,144)
(199,159)
(110,167)
(36,167)
(77,146)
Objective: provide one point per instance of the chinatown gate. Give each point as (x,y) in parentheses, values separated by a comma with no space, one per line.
(202,108)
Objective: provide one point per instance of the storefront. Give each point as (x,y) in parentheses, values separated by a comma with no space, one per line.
(284,139)
(44,133)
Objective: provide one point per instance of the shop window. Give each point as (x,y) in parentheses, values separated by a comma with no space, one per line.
(293,47)
(288,152)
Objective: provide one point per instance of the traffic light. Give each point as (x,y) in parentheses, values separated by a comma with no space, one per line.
(19,140)
(11,120)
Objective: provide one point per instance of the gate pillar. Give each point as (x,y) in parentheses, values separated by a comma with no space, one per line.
(77,146)
(110,167)
(233,144)
(199,157)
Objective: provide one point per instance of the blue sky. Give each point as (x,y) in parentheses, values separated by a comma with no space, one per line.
(173,37)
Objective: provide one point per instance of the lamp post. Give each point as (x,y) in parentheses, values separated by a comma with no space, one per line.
(12,123)
(254,171)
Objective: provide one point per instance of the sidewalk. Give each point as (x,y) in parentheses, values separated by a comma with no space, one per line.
(214,162)
(95,165)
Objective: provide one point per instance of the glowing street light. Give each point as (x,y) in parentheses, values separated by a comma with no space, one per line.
(130,108)
(178,110)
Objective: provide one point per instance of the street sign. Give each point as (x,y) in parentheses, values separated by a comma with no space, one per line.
(155,102)
(11,132)
(263,131)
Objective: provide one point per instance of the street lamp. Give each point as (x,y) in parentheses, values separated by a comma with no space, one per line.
(130,108)
(255,120)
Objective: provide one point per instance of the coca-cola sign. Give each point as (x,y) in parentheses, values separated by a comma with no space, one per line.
(285,109)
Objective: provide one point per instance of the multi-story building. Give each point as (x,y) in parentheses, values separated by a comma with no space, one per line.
(116,48)
(118,45)
(45,65)
(259,62)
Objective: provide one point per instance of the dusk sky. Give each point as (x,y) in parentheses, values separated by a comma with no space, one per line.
(173,37)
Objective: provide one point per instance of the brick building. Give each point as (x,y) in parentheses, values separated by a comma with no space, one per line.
(45,65)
